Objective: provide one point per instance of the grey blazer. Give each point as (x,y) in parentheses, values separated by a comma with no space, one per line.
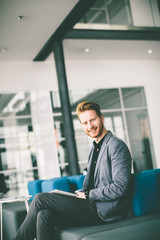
(111,179)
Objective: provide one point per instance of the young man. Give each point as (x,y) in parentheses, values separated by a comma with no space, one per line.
(104,197)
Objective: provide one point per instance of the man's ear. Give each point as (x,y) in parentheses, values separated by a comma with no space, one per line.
(102,118)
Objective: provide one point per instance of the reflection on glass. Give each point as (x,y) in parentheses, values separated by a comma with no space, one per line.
(62,157)
(133,97)
(106,98)
(59,127)
(55,100)
(61,145)
(18,180)
(99,16)
(119,12)
(114,123)
(17,151)
(109,12)
(75,96)
(140,139)
(14,104)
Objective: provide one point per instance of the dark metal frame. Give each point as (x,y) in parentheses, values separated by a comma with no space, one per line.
(66,109)
(74,16)
(54,44)
(136,34)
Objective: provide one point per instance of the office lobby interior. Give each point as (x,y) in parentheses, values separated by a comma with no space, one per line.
(57,53)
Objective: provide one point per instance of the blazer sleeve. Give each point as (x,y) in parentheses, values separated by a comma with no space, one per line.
(120,172)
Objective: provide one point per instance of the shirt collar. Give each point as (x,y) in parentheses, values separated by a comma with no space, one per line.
(99,144)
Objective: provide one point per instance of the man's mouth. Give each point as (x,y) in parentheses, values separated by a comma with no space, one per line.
(93,130)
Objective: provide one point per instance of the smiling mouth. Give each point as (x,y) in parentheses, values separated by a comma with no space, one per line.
(93,130)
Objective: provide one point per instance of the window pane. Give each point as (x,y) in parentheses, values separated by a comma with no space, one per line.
(75,97)
(17,180)
(56,103)
(119,12)
(96,16)
(133,97)
(17,154)
(114,122)
(106,98)
(17,104)
(99,4)
(109,12)
(140,139)
(61,145)
(17,141)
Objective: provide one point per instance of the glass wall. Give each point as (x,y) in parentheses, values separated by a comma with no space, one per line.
(138,128)
(109,12)
(32,140)
(121,14)
(27,141)
(125,114)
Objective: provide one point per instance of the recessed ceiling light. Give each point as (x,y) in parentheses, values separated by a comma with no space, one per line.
(20,18)
(87,50)
(149,51)
(3,50)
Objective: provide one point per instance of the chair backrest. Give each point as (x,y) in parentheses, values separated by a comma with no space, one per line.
(68,183)
(76,182)
(145,193)
(60,183)
(34,187)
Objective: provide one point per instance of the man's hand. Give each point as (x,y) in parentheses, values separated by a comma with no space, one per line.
(81,195)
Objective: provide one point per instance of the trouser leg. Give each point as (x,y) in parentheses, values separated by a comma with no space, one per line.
(27,230)
(45,224)
(61,210)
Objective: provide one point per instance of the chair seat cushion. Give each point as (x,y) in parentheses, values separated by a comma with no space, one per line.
(77,233)
(146,230)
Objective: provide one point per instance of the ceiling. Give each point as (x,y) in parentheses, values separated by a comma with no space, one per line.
(111,50)
(24,38)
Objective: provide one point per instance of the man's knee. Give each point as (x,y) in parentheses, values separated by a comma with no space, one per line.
(39,200)
(39,197)
(45,216)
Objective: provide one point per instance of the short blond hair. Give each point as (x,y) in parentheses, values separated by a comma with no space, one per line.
(85,106)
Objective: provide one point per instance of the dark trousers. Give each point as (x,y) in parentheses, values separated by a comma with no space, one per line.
(50,210)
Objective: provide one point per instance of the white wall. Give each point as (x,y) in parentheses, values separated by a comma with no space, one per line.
(91,74)
(19,76)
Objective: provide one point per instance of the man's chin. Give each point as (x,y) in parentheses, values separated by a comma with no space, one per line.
(93,135)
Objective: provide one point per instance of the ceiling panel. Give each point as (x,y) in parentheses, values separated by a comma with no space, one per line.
(111,50)
(23,39)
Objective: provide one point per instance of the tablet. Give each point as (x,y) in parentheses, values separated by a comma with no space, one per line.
(63,193)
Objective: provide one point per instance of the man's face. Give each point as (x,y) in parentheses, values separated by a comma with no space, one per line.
(92,124)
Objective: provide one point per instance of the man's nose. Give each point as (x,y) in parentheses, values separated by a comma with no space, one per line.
(90,125)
